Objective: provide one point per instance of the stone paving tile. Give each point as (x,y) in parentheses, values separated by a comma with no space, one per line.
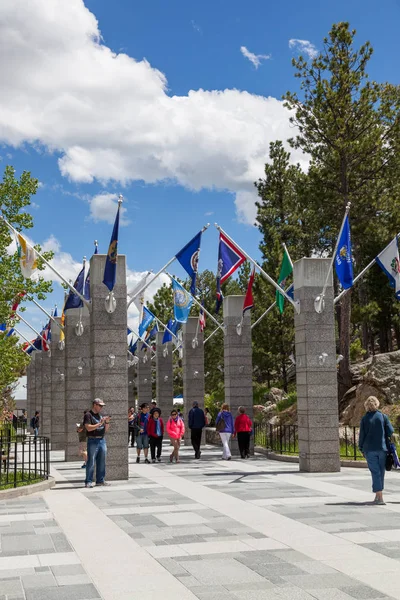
(362,592)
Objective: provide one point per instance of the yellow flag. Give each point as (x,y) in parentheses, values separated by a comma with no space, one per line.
(27,257)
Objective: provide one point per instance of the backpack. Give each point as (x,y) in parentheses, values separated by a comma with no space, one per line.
(221,424)
(33,422)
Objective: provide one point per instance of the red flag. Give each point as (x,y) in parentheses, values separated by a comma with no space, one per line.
(248,299)
(202,318)
(16,303)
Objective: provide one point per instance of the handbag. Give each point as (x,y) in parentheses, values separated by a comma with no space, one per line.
(221,424)
(389,456)
(389,461)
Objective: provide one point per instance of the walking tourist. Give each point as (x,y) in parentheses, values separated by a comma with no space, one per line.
(375,433)
(243,429)
(197,423)
(131,426)
(96,426)
(175,430)
(142,438)
(224,426)
(35,423)
(153,407)
(155,430)
(208,417)
(82,437)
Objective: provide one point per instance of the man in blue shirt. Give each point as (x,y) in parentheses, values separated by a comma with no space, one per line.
(197,422)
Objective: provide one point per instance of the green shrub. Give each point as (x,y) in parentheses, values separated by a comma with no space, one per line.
(356,350)
(287,402)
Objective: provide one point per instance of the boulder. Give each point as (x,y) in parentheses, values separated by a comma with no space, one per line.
(275,395)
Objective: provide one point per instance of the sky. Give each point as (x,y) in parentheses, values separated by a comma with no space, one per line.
(171,104)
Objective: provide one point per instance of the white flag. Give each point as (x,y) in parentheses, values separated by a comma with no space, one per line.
(27,257)
(389,262)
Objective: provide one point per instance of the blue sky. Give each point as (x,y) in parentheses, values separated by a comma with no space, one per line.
(90,125)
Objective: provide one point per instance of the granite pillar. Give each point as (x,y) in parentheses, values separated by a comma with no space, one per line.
(46,394)
(131,385)
(316,374)
(57,390)
(238,364)
(193,370)
(164,376)
(32,388)
(38,383)
(108,352)
(143,379)
(78,395)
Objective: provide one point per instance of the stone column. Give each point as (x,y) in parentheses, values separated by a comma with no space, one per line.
(38,384)
(144,386)
(28,391)
(131,385)
(164,376)
(108,351)
(193,371)
(46,395)
(32,387)
(57,390)
(316,375)
(238,364)
(78,395)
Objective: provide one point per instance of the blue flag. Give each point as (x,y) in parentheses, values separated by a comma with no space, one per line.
(110,270)
(55,312)
(182,302)
(128,331)
(290,291)
(73,301)
(3,326)
(86,291)
(133,347)
(10,332)
(343,260)
(147,324)
(229,260)
(189,259)
(167,335)
(153,332)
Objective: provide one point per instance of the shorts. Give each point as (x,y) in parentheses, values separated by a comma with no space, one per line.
(82,447)
(142,441)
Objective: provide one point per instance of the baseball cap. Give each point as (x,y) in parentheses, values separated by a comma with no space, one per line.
(99,401)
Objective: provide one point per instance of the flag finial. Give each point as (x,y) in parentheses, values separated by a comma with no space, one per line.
(120,199)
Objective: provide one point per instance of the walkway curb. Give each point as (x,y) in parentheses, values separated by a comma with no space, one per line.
(358,464)
(26,490)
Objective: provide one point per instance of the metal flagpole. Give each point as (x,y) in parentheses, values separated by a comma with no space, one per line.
(319,300)
(198,304)
(26,339)
(296,303)
(344,292)
(33,329)
(159,272)
(45,312)
(46,262)
(135,291)
(211,334)
(141,339)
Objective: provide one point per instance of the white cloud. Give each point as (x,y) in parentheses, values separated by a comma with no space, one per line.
(63,262)
(103,207)
(246,210)
(132,280)
(109,116)
(304,46)
(255,59)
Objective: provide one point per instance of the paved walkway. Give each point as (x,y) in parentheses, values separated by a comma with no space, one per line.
(208,529)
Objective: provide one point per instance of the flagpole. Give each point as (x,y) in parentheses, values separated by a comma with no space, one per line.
(132,293)
(198,304)
(46,262)
(26,339)
(142,340)
(344,292)
(287,254)
(45,312)
(211,334)
(159,272)
(296,303)
(33,329)
(264,314)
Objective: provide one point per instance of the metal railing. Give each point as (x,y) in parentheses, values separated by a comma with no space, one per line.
(283,439)
(24,459)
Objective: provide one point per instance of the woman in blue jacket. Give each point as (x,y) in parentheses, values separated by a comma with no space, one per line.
(224,426)
(375,431)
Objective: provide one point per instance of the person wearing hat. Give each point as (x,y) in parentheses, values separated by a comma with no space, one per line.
(96,426)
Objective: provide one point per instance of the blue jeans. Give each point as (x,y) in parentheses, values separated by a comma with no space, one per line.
(376,463)
(96,453)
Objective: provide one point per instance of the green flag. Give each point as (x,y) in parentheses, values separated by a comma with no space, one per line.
(286,270)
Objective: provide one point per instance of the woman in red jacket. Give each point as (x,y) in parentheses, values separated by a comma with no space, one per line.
(243,429)
(155,431)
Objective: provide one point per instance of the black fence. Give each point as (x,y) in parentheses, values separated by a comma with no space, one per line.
(283,439)
(24,459)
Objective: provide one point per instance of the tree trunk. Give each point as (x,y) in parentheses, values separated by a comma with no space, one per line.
(363,299)
(283,357)
(344,379)
(397,334)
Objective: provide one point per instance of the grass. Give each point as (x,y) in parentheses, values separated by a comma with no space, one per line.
(22,480)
